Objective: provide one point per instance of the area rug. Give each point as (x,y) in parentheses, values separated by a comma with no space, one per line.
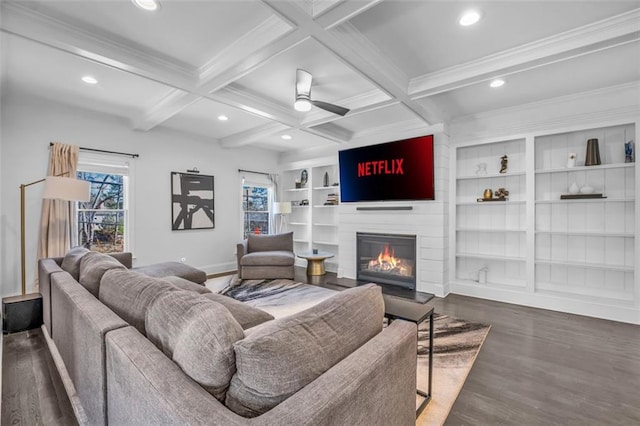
(456,342)
(456,345)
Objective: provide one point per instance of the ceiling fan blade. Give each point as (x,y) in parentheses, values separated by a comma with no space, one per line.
(331,107)
(303,83)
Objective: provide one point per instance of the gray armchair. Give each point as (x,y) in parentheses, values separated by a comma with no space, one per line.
(266,257)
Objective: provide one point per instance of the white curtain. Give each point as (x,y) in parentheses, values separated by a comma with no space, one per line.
(55,237)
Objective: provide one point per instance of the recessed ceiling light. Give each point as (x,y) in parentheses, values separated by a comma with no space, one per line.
(223,118)
(469,18)
(497,83)
(286,137)
(149,5)
(89,79)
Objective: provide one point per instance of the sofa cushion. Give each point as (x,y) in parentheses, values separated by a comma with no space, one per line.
(263,242)
(278,358)
(92,267)
(246,315)
(129,294)
(183,284)
(71,261)
(175,269)
(271,258)
(198,335)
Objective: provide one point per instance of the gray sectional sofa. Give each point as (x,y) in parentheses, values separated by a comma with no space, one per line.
(143,350)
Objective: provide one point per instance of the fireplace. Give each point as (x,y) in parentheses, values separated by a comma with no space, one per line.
(387,259)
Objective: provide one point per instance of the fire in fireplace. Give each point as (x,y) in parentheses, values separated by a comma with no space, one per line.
(387,259)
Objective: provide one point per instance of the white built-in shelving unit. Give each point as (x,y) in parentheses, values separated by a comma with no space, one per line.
(491,236)
(577,255)
(585,247)
(316,224)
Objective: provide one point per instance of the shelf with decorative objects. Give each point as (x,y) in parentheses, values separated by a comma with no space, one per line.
(585,213)
(314,216)
(490,207)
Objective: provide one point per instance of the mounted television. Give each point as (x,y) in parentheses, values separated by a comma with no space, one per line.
(392,171)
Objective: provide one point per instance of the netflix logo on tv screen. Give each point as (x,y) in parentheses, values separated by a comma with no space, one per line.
(400,170)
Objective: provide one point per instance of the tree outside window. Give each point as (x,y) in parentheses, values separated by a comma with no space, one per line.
(101,220)
(255,206)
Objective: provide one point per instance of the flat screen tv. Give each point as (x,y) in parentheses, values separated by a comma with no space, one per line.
(392,171)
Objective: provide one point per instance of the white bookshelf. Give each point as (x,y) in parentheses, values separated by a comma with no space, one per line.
(539,249)
(491,236)
(314,225)
(586,247)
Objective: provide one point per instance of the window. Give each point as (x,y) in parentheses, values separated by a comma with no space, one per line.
(255,208)
(103,221)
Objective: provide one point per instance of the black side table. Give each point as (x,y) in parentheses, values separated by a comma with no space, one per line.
(396,308)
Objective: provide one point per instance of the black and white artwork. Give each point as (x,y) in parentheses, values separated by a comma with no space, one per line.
(191,201)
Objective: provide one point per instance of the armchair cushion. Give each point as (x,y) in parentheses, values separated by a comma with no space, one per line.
(268,258)
(274,242)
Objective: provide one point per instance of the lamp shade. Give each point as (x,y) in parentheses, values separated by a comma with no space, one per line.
(67,189)
(283,207)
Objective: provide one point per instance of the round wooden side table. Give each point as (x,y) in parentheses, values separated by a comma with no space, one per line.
(315,261)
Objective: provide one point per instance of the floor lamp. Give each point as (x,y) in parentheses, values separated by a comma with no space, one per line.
(55,188)
(282,208)
(24,312)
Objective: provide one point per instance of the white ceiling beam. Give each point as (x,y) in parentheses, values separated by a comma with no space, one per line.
(352,48)
(252,136)
(590,38)
(344,12)
(34,25)
(176,100)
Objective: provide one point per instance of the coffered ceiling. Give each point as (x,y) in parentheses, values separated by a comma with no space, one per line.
(394,63)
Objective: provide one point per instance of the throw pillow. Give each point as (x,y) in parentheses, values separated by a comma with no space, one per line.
(71,261)
(129,295)
(198,335)
(92,267)
(280,357)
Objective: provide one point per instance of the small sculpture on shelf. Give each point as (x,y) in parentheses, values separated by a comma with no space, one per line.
(481,169)
(325,180)
(501,193)
(503,163)
(629,156)
(571,161)
(488,194)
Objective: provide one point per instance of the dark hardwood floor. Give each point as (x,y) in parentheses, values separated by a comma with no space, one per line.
(536,367)
(32,391)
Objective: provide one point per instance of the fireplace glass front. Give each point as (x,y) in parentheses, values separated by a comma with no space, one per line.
(387,259)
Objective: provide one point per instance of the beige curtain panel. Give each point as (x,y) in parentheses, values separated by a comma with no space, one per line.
(56,230)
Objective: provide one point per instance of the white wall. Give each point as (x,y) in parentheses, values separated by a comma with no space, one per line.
(30,123)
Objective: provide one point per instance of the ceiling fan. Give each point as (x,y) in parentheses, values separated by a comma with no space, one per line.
(303,96)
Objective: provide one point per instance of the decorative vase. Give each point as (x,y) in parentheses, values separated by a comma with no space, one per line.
(571,161)
(574,188)
(488,194)
(587,189)
(593,153)
(325,181)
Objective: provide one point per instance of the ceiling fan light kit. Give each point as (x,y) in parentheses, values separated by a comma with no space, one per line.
(303,96)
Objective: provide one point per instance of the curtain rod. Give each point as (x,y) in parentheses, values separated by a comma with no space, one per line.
(251,171)
(105,152)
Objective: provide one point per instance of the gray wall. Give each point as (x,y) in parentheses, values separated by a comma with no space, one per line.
(30,123)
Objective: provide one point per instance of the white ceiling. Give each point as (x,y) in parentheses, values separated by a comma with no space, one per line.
(394,63)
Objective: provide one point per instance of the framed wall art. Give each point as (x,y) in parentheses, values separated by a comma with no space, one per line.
(192,201)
